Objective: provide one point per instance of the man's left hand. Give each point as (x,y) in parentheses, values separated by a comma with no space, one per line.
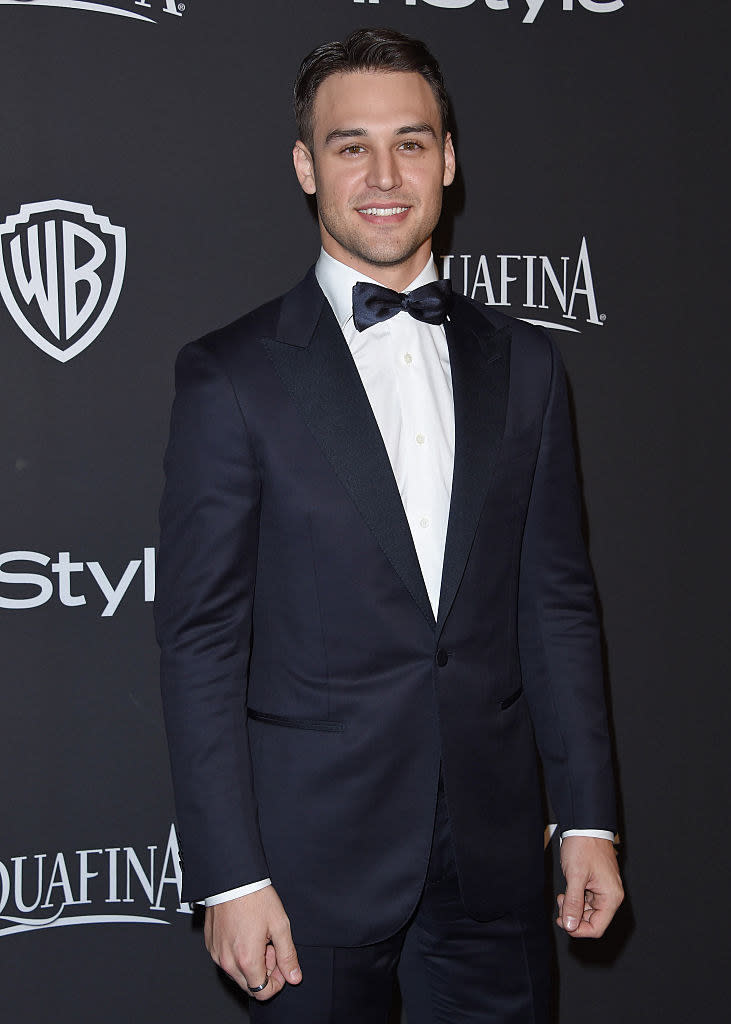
(593,886)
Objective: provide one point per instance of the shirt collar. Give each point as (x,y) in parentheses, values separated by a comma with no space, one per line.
(337,280)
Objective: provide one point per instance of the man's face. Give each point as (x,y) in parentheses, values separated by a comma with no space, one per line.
(377,168)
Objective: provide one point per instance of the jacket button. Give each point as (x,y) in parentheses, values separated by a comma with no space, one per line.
(442,657)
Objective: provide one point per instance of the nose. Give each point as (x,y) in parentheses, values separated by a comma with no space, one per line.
(383,171)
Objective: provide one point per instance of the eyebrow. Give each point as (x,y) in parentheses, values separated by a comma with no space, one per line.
(355,133)
(344,133)
(417,129)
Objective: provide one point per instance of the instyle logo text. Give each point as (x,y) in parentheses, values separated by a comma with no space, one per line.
(70,581)
(531,8)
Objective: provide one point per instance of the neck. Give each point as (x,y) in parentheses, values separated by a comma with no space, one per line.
(397,276)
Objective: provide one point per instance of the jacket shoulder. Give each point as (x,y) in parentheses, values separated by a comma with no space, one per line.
(233,339)
(290,316)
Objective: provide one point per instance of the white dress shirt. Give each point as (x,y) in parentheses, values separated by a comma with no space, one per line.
(404,366)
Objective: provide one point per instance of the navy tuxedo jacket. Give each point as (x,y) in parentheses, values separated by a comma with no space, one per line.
(310,696)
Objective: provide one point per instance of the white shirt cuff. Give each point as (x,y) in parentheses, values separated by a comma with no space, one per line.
(232,894)
(595,833)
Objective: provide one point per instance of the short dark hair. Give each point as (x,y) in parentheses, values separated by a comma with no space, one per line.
(366,49)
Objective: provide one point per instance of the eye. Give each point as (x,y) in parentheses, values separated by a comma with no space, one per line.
(411,145)
(353,149)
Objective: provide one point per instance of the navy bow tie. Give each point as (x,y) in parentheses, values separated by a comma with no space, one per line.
(372,303)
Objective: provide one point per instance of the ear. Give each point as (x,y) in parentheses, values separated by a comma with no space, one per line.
(304,167)
(450,160)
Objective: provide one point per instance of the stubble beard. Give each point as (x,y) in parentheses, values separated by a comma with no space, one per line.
(388,252)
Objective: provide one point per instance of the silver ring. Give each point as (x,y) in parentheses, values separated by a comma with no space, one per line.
(260,987)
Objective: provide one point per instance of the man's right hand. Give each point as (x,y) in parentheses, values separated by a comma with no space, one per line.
(250,939)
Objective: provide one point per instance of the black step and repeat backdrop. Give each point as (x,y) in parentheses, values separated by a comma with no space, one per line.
(147,196)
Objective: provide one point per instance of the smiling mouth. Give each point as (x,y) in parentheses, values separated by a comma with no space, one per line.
(381,211)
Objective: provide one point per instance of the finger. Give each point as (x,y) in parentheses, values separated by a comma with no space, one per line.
(248,969)
(585,929)
(603,909)
(588,908)
(277,978)
(273,982)
(572,908)
(595,921)
(592,926)
(287,961)
(228,963)
(262,990)
(274,985)
(270,958)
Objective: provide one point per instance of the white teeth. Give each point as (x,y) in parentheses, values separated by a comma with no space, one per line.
(377,211)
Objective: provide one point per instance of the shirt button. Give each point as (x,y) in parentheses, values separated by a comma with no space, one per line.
(442,657)
(408,359)
(423,522)
(420,439)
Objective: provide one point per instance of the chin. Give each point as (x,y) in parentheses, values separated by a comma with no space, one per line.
(387,255)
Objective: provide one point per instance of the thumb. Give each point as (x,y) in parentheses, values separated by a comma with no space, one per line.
(572,910)
(287,961)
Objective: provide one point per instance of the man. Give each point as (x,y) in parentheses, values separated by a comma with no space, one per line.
(372,591)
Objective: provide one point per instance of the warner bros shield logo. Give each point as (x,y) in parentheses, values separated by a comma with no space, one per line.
(61,272)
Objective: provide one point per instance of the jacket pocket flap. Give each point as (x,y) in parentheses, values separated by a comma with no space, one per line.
(507,702)
(290,722)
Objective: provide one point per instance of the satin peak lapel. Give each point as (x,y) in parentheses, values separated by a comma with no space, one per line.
(479,357)
(314,363)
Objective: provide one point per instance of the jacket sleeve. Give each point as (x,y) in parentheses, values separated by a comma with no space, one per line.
(559,636)
(206,572)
